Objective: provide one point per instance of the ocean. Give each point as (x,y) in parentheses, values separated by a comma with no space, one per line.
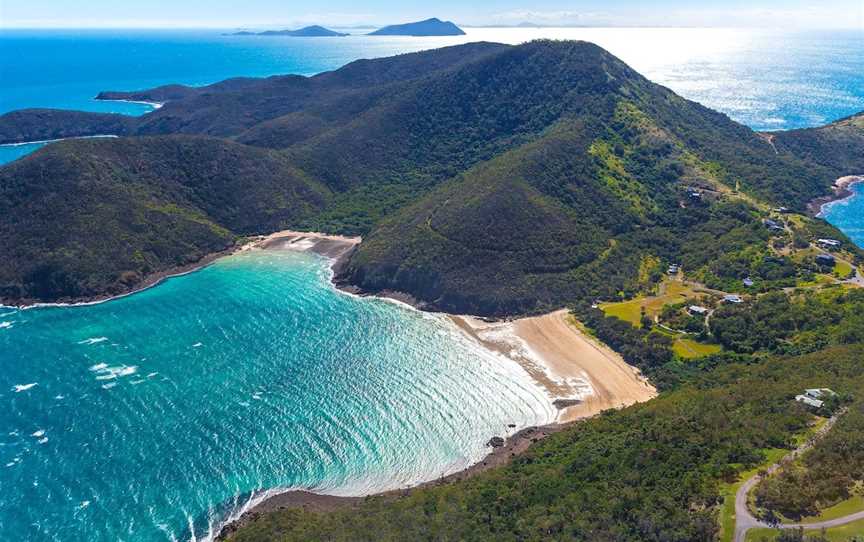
(158,415)
(152,417)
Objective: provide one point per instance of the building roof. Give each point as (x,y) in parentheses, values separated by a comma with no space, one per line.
(818,393)
(732,298)
(697,309)
(816,403)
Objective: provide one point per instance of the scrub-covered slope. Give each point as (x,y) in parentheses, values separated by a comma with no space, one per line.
(92,217)
(485,177)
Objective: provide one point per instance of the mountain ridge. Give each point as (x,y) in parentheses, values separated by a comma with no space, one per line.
(491,143)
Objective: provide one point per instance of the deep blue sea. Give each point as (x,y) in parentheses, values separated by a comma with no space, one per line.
(155,416)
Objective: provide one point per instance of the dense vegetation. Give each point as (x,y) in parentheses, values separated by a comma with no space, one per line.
(486,178)
(647,473)
(88,217)
(826,475)
(792,323)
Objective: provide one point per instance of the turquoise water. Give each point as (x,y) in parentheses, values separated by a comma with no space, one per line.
(153,416)
(848,214)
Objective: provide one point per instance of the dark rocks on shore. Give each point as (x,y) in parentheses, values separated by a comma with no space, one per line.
(561,404)
(495,442)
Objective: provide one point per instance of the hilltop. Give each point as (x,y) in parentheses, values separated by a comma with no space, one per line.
(467,169)
(428,27)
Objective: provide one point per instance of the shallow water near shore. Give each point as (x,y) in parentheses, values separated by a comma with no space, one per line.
(847,214)
(145,418)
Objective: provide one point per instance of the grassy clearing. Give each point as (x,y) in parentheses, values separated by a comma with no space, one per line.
(671,291)
(843,269)
(844,508)
(844,533)
(690,349)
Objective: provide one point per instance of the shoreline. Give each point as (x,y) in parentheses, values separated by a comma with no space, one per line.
(544,347)
(305,499)
(335,247)
(842,188)
(154,105)
(581,376)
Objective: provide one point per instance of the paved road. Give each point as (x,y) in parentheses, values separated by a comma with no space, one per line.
(744,520)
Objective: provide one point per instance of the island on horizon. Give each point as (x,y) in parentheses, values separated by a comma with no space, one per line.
(428,27)
(313,31)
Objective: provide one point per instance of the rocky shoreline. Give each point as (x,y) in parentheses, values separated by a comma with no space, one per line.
(503,451)
(842,189)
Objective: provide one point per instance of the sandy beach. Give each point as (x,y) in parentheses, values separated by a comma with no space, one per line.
(334,247)
(581,375)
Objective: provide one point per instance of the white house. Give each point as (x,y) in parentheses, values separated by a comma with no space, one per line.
(732,298)
(696,309)
(814,396)
(809,401)
(829,242)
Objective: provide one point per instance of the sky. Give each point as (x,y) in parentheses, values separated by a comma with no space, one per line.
(292,13)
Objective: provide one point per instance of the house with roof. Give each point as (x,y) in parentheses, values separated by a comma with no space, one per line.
(815,397)
(732,298)
(696,310)
(829,243)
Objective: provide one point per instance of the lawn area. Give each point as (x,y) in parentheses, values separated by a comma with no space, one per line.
(843,269)
(629,311)
(690,349)
(671,292)
(818,280)
(844,533)
(844,508)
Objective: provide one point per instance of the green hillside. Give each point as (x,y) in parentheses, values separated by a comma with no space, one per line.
(90,217)
(486,178)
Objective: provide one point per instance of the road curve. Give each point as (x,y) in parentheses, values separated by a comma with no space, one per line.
(744,520)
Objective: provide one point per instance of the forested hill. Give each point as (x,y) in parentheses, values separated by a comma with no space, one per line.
(485,178)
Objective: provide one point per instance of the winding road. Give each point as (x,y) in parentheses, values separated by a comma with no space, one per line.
(744,520)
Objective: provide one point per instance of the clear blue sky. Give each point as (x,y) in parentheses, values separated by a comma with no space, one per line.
(237,13)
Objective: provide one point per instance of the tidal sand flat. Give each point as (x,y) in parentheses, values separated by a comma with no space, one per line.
(161,414)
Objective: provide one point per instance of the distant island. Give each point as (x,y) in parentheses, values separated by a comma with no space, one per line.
(314,31)
(429,27)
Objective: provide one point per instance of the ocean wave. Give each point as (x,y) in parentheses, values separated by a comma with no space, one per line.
(93,340)
(24,387)
(5,325)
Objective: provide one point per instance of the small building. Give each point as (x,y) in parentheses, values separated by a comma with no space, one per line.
(674,269)
(772,225)
(815,397)
(809,401)
(697,310)
(819,393)
(748,282)
(693,193)
(826,260)
(829,243)
(781,210)
(732,298)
